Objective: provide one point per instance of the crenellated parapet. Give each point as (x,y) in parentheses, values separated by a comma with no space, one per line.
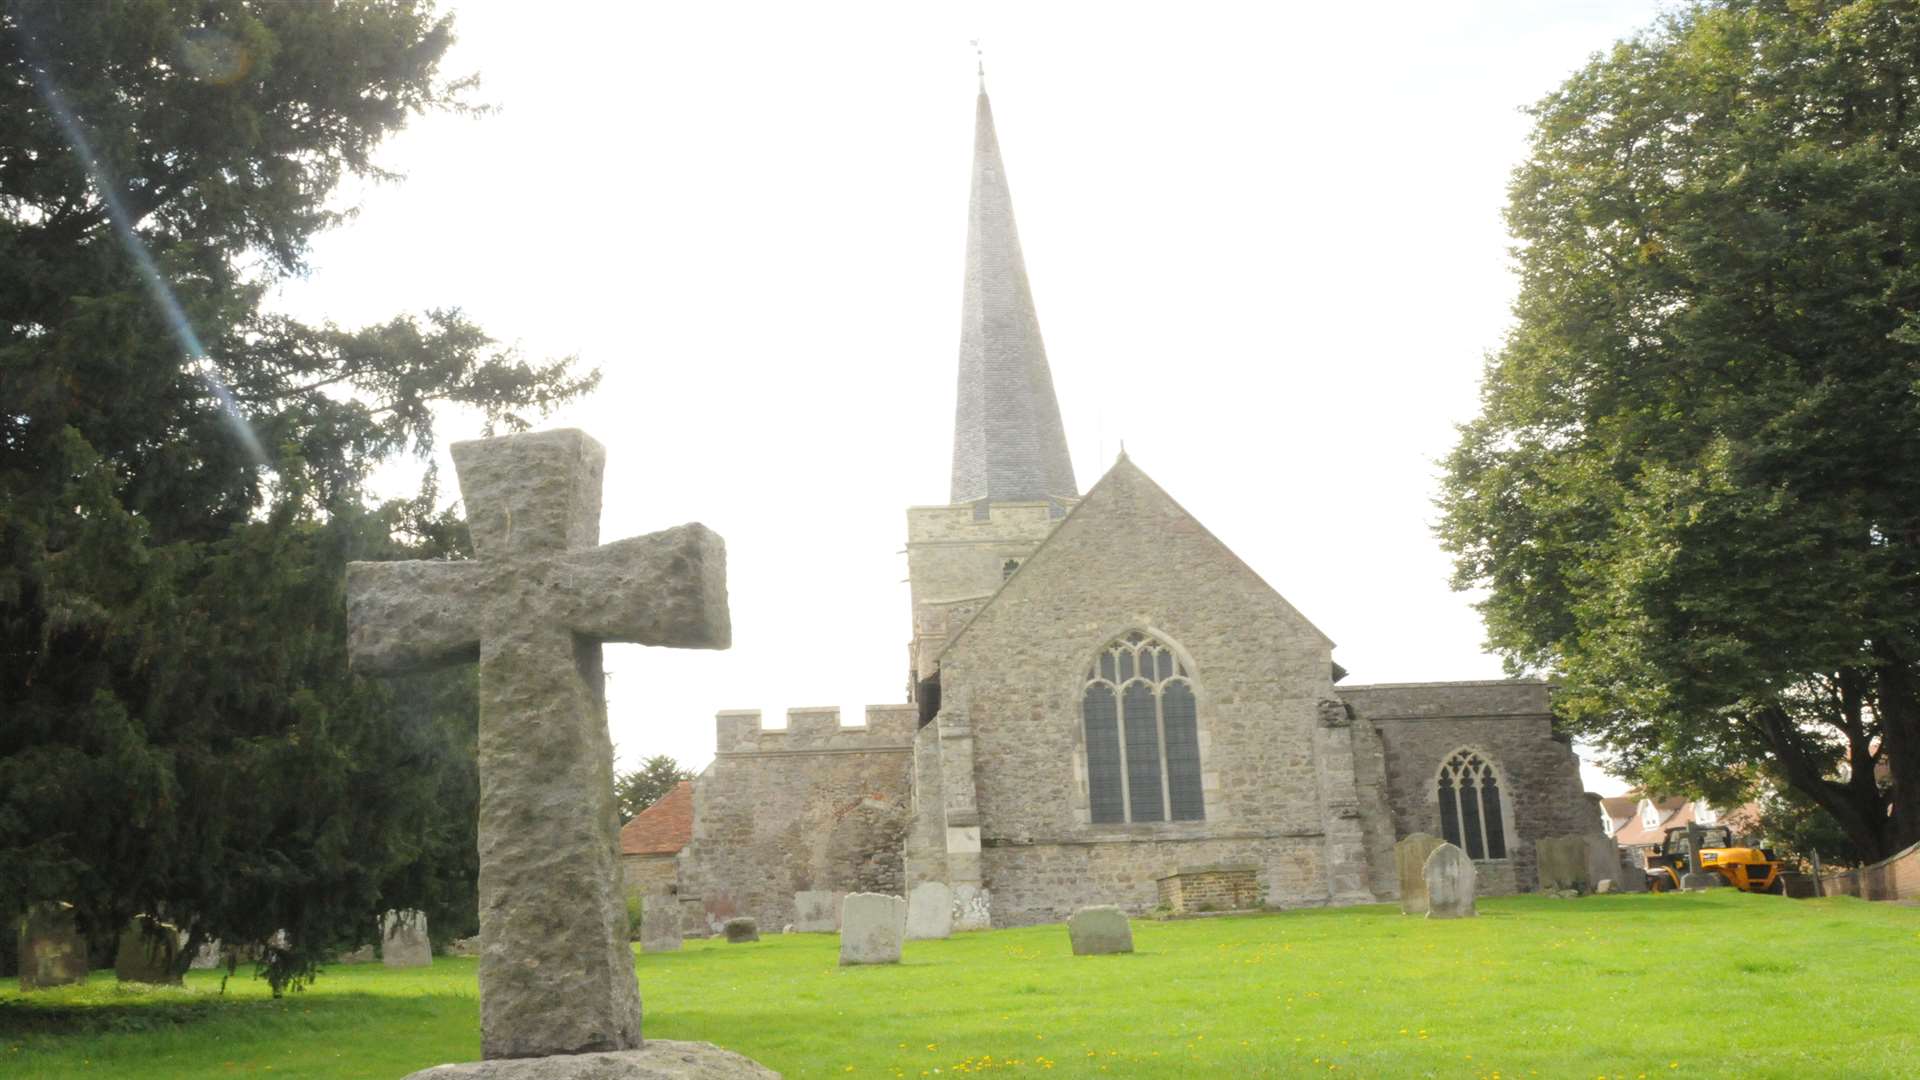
(885,727)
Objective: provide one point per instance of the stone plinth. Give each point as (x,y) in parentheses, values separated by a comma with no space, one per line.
(817,911)
(403,940)
(929,911)
(1193,889)
(149,952)
(1098,930)
(659,923)
(872,928)
(52,952)
(1450,883)
(659,1059)
(1410,863)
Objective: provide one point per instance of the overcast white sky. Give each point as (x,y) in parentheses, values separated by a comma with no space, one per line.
(1264,240)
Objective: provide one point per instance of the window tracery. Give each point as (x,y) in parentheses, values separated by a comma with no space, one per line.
(1142,730)
(1471,813)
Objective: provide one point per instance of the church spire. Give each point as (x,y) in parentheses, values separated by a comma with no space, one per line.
(1008,443)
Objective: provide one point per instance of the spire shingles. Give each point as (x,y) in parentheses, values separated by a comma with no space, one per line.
(1008,444)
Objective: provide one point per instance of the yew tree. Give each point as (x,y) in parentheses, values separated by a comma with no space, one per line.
(1692,493)
(182,477)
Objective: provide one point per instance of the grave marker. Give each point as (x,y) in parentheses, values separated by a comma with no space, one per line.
(1450,883)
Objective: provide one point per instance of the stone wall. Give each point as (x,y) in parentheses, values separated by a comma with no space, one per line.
(1509,723)
(811,807)
(1128,559)
(649,875)
(957,557)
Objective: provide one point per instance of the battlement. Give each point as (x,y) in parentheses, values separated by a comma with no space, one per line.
(886,727)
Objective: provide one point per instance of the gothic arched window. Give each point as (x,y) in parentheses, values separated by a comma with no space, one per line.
(1471,817)
(1143,737)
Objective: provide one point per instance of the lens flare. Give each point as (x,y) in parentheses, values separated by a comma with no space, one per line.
(157,286)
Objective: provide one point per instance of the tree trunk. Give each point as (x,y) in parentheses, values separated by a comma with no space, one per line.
(1898,706)
(1861,816)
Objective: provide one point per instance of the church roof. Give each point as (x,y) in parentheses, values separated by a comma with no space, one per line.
(1008,442)
(1124,482)
(663,828)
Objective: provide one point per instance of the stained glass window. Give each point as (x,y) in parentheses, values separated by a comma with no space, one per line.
(1470,810)
(1143,737)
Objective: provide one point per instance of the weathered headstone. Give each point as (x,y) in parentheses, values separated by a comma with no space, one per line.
(1410,860)
(872,927)
(1699,881)
(1562,863)
(929,911)
(1098,930)
(659,923)
(403,940)
(148,952)
(556,969)
(816,911)
(741,928)
(1633,877)
(1603,886)
(52,952)
(207,958)
(1603,858)
(1450,883)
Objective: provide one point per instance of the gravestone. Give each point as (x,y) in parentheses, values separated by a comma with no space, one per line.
(1603,887)
(1699,881)
(1603,859)
(556,969)
(1450,883)
(1410,860)
(207,958)
(52,952)
(148,952)
(929,911)
(817,911)
(659,923)
(1633,877)
(1098,930)
(741,929)
(1562,862)
(872,927)
(403,940)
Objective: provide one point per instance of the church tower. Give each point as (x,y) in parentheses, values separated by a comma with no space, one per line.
(1012,478)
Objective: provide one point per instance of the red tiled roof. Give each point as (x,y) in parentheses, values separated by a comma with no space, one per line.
(663,828)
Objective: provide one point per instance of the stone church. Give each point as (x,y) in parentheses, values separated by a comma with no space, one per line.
(1105,702)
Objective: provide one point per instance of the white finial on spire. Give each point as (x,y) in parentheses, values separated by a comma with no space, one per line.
(979,63)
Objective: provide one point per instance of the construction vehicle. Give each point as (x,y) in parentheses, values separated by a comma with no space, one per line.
(1748,869)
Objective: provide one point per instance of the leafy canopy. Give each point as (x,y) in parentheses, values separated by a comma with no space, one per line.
(182,734)
(1693,489)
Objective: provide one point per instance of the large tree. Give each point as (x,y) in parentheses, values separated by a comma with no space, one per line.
(1693,491)
(181,477)
(637,789)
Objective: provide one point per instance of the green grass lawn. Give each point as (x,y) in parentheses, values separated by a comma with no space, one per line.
(1719,984)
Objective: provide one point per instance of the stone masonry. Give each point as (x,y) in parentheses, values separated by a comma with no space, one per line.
(1195,889)
(814,807)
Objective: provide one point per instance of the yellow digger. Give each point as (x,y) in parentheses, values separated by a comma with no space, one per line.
(1748,869)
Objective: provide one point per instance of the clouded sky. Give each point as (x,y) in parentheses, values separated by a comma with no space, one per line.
(1264,241)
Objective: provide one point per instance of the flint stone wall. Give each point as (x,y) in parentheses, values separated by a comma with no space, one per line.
(814,807)
(1277,791)
(1421,725)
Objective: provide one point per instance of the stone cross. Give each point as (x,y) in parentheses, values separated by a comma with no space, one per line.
(556,969)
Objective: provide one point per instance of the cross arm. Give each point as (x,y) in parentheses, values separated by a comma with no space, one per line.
(410,616)
(665,588)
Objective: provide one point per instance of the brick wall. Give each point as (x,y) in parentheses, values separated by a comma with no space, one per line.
(1895,878)
(814,806)
(1210,888)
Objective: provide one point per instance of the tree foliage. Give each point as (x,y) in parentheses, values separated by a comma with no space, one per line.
(181,476)
(1693,491)
(640,788)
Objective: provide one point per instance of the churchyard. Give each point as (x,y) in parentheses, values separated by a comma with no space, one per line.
(1617,986)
